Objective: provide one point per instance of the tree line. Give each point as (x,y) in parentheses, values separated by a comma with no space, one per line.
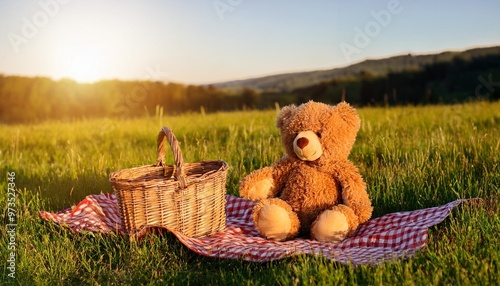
(447,82)
(32,99)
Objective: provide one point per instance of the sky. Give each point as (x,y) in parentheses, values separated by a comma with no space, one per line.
(209,41)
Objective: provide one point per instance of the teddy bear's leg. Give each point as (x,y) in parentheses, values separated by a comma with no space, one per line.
(275,219)
(335,224)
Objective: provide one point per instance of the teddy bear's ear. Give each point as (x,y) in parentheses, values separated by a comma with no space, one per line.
(348,114)
(284,114)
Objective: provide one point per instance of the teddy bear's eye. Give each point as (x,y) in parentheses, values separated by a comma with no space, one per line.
(318,134)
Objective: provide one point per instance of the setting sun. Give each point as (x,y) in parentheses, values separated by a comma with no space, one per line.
(83,65)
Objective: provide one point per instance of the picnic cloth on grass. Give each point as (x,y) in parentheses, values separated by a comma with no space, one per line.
(387,238)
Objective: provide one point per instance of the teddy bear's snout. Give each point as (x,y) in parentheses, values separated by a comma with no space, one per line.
(307,146)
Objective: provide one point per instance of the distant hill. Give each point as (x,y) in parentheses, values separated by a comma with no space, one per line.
(379,67)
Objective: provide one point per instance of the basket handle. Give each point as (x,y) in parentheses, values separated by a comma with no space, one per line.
(176,150)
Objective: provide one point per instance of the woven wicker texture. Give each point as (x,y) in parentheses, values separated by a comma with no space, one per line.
(185,197)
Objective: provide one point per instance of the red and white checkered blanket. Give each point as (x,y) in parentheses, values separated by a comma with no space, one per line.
(392,236)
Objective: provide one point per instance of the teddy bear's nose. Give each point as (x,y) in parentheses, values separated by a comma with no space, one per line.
(302,142)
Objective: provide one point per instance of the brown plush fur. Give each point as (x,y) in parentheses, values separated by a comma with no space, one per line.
(308,186)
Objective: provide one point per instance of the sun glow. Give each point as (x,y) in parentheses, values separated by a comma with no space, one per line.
(83,65)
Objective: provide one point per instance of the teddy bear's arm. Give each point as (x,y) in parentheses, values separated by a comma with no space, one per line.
(266,182)
(354,194)
(258,185)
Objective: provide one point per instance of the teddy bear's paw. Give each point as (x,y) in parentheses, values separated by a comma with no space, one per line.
(273,222)
(261,189)
(330,226)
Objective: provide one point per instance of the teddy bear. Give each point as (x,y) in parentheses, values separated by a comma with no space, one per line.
(313,190)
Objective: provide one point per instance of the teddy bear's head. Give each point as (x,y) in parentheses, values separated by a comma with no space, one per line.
(319,132)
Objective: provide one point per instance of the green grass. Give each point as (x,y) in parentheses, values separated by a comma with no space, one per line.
(411,158)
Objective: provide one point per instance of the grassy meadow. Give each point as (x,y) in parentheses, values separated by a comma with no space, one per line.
(410,157)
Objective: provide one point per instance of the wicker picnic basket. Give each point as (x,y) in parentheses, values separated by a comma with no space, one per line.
(187,197)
